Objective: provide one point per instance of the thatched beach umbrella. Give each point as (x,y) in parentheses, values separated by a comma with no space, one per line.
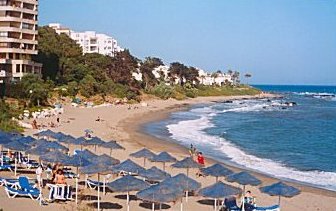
(54,157)
(112,145)
(128,166)
(94,141)
(154,174)
(186,163)
(161,193)
(17,146)
(127,184)
(280,189)
(184,182)
(243,178)
(219,190)
(143,153)
(163,157)
(217,170)
(98,169)
(76,161)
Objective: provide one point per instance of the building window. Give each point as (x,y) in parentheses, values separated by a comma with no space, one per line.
(3,34)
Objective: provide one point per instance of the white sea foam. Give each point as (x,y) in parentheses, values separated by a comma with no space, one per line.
(192,131)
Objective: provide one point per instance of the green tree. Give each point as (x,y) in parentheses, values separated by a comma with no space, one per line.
(58,53)
(35,89)
(87,86)
(178,70)
(146,70)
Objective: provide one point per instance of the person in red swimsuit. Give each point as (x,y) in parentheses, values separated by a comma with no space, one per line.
(200,159)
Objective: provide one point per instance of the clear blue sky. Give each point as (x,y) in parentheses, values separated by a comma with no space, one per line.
(278,41)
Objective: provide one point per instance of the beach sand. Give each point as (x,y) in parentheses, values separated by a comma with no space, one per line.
(124,125)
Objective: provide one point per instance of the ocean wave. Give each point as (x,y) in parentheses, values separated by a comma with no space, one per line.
(192,132)
(318,95)
(254,106)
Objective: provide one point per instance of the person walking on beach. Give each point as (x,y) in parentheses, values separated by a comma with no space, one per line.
(39,179)
(200,159)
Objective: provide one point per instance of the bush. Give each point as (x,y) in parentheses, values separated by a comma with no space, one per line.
(6,115)
(162,91)
(87,86)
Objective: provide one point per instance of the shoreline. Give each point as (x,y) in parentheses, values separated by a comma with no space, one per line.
(124,123)
(154,143)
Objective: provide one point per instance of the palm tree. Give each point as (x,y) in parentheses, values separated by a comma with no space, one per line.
(247,76)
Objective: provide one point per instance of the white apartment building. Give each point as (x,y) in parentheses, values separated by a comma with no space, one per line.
(90,41)
(18,39)
(214,79)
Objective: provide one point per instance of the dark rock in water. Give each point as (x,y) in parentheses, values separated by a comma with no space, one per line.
(264,107)
(228,101)
(283,108)
(269,100)
(290,103)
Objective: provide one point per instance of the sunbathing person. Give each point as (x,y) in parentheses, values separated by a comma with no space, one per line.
(249,201)
(60,178)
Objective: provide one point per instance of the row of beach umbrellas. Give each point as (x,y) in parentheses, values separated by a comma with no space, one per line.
(170,189)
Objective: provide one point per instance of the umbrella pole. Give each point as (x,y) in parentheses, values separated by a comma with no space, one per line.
(86,178)
(2,156)
(127,201)
(279,200)
(110,152)
(104,182)
(95,148)
(243,204)
(76,190)
(215,204)
(187,172)
(164,166)
(181,205)
(186,195)
(160,206)
(28,158)
(144,162)
(15,167)
(98,202)
(153,206)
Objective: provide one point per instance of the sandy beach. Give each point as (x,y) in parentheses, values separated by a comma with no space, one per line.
(123,124)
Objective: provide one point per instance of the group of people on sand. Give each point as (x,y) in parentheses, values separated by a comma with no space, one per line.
(196,155)
(57,175)
(57,179)
(50,124)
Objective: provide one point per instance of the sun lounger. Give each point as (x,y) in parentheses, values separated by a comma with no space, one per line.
(59,192)
(6,167)
(271,208)
(71,175)
(25,185)
(231,204)
(94,184)
(12,193)
(13,183)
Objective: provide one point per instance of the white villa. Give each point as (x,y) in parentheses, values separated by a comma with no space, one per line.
(90,41)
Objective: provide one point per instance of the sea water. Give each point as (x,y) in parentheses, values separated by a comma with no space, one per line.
(294,143)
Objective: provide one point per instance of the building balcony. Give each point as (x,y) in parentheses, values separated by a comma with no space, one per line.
(18,9)
(35,2)
(17,40)
(15,19)
(15,29)
(18,50)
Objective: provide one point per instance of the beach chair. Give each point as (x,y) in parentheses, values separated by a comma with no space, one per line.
(33,194)
(270,208)
(93,184)
(230,204)
(59,192)
(6,167)
(13,183)
(24,184)
(29,164)
(70,175)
